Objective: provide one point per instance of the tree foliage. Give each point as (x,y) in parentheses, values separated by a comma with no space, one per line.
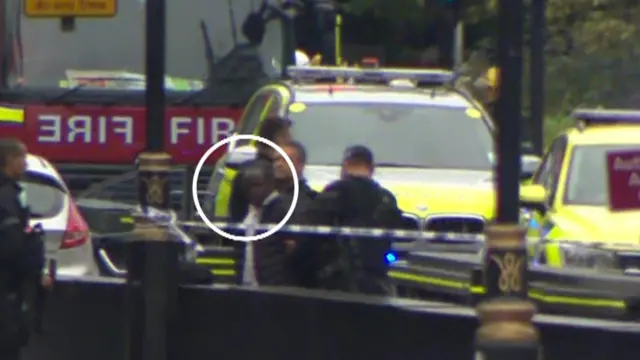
(592,48)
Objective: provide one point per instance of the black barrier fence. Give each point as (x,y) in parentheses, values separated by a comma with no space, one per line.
(448,267)
(86,318)
(584,292)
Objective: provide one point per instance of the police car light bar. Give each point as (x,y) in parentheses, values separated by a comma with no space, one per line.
(606,116)
(421,77)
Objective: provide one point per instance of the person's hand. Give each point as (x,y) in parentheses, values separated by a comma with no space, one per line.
(290,245)
(47,282)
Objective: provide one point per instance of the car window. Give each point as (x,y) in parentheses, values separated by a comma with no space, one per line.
(45,197)
(551,167)
(253,113)
(587,180)
(406,135)
(264,105)
(551,164)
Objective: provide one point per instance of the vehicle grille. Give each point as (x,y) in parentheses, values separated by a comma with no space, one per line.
(629,261)
(410,222)
(456,224)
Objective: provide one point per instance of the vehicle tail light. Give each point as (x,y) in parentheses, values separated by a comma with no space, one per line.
(77,232)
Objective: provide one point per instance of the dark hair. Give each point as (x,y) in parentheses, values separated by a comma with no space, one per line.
(253,28)
(359,154)
(9,147)
(300,150)
(262,169)
(271,126)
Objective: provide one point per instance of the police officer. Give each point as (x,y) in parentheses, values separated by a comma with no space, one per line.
(284,179)
(275,129)
(301,248)
(356,200)
(21,255)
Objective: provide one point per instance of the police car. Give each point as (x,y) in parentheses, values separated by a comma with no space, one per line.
(67,235)
(433,143)
(573,216)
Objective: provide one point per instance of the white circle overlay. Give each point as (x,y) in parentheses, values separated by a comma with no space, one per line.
(196,200)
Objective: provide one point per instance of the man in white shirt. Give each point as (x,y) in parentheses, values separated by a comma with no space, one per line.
(252,221)
(264,260)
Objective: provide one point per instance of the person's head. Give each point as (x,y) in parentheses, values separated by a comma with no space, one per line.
(275,129)
(13,158)
(253,28)
(357,160)
(298,155)
(258,182)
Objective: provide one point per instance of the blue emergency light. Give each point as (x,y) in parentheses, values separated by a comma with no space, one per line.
(606,116)
(375,75)
(390,257)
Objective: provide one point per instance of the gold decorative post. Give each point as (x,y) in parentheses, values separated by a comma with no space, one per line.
(154,169)
(506,330)
(152,264)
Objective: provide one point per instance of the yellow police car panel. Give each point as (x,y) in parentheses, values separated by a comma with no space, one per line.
(433,145)
(11,115)
(221,182)
(569,202)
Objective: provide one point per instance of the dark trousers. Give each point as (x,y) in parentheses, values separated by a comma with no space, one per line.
(14,329)
(11,355)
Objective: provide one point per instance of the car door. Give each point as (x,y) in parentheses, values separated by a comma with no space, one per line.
(257,110)
(548,175)
(225,171)
(274,107)
(551,169)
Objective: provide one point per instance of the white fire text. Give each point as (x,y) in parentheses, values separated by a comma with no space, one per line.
(84,128)
(204,131)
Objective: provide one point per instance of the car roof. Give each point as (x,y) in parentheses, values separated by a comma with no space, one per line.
(376,93)
(38,164)
(605,134)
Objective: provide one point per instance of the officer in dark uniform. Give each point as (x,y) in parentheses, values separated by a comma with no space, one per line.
(275,129)
(356,200)
(302,249)
(21,255)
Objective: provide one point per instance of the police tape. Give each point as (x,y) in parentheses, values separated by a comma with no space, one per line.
(343,231)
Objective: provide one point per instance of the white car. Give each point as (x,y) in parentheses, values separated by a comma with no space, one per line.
(67,235)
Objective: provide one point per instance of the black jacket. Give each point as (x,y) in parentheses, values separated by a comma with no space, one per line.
(351,202)
(21,263)
(356,202)
(303,260)
(270,254)
(18,257)
(238,202)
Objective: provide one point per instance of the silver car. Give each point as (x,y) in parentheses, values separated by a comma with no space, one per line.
(67,235)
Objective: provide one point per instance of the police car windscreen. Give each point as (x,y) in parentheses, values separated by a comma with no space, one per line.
(407,135)
(587,182)
(44,196)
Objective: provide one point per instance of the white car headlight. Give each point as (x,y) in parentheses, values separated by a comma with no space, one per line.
(581,256)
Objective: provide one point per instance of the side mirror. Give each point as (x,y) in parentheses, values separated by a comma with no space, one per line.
(533,196)
(530,164)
